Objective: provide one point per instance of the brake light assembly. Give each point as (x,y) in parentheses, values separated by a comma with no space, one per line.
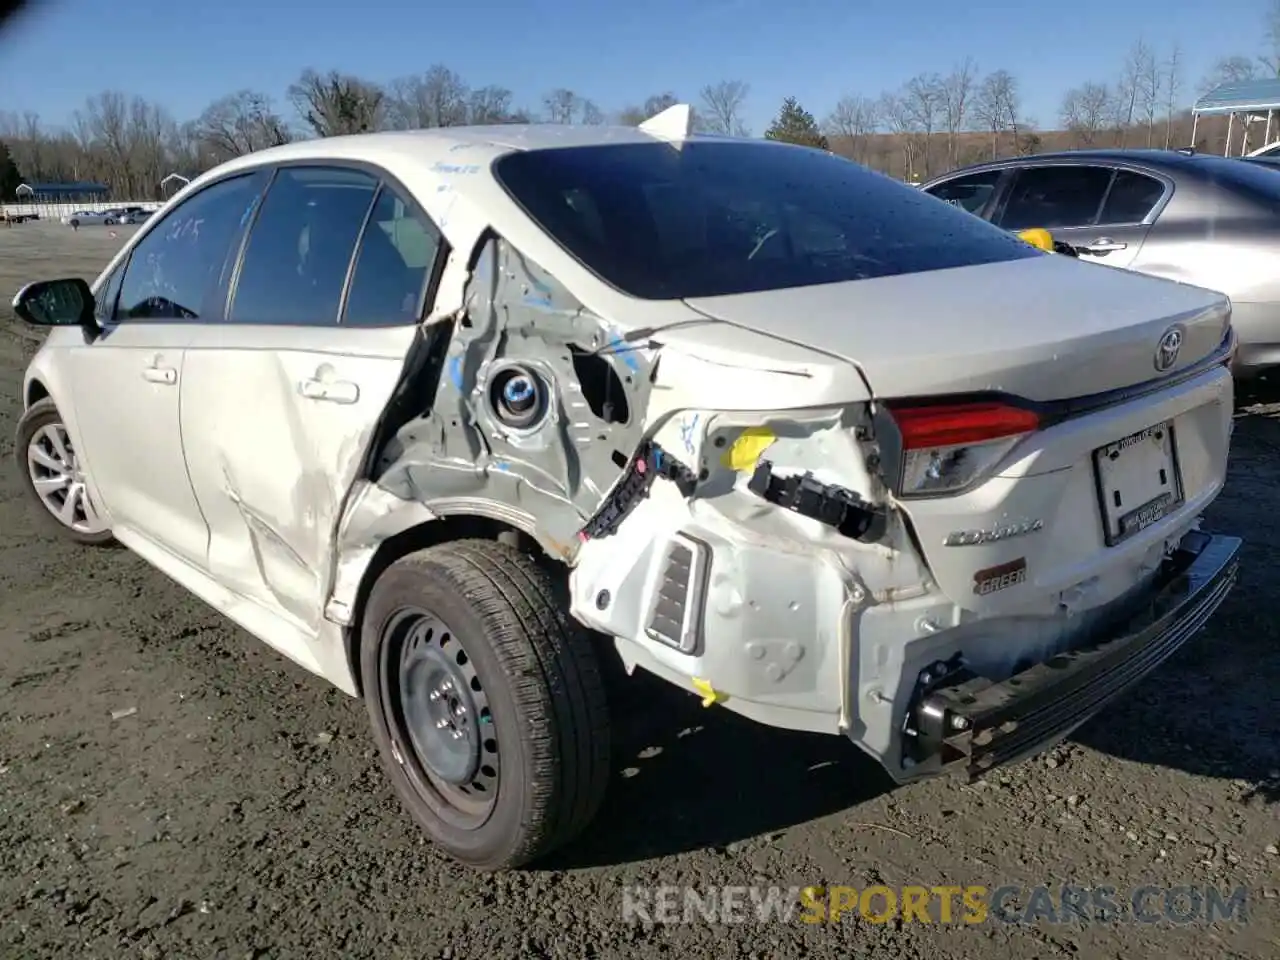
(933,449)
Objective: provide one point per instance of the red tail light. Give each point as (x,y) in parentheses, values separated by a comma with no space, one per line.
(948,425)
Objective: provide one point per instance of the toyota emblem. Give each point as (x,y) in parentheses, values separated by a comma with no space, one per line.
(1167,349)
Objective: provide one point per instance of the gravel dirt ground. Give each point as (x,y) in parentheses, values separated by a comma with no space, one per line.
(169,787)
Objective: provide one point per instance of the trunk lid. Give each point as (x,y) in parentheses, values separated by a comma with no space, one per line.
(1049,328)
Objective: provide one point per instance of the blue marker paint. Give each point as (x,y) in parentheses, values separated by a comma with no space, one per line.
(624,350)
(461,168)
(455,372)
(686,433)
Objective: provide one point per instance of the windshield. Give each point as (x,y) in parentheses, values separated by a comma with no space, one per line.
(714,218)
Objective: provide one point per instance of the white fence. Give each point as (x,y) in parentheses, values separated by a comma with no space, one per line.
(53,211)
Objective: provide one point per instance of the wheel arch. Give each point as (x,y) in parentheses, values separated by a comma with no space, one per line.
(430,533)
(36,391)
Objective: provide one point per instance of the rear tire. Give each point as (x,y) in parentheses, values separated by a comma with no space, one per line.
(487,702)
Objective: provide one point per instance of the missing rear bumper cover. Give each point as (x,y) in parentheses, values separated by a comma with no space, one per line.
(975,724)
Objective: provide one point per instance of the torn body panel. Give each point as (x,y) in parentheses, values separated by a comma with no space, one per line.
(760,599)
(539,408)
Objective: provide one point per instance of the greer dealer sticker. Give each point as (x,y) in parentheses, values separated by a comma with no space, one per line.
(994,579)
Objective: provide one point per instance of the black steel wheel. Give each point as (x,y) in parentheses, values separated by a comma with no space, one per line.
(441,709)
(486,700)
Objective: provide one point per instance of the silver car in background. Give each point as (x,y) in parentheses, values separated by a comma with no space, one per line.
(1209,221)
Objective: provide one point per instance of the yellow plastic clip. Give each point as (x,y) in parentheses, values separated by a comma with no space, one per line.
(746,450)
(709,693)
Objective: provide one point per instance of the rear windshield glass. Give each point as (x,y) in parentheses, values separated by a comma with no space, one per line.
(716,218)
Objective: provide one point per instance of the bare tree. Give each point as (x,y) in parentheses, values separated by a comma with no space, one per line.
(722,107)
(491,104)
(900,120)
(634,116)
(590,114)
(1130,88)
(1172,87)
(850,123)
(561,105)
(334,104)
(923,98)
(1084,112)
(997,108)
(437,98)
(26,142)
(957,94)
(1150,74)
(1229,70)
(240,123)
(1271,59)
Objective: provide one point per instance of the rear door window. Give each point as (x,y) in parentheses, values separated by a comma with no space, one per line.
(300,247)
(1055,197)
(715,218)
(1133,196)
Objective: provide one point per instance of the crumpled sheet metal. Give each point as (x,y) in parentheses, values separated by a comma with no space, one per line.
(551,476)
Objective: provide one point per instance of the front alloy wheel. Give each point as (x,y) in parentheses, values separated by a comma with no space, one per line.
(54,475)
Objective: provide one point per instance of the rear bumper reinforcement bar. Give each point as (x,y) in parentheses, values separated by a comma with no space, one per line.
(975,724)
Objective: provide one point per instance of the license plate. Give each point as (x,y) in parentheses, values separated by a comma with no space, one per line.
(1138,481)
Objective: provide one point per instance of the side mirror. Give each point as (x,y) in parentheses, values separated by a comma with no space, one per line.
(57,303)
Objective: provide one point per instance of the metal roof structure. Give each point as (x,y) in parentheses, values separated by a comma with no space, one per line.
(1243,96)
(61,189)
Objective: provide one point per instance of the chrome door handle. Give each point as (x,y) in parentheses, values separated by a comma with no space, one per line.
(1103,245)
(333,391)
(160,375)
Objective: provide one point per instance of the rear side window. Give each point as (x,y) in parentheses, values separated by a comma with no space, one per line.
(1132,197)
(1055,197)
(968,193)
(300,247)
(712,219)
(397,251)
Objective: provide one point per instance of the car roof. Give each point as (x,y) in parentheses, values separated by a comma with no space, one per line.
(1166,159)
(447,170)
(440,144)
(440,164)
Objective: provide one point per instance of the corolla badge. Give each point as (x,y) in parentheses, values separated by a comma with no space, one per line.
(1003,531)
(1167,349)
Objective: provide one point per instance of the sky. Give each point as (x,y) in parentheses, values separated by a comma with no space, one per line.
(185,55)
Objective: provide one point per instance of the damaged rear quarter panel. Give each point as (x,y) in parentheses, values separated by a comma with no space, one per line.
(546,476)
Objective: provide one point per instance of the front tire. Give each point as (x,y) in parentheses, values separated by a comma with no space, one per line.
(487,702)
(53,475)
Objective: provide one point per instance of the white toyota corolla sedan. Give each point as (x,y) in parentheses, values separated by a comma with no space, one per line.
(454,417)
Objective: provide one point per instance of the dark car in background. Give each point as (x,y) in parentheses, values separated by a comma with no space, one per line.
(1209,221)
